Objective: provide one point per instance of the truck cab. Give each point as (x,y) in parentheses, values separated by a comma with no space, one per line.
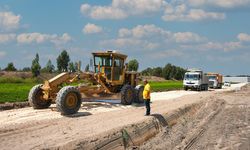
(215,80)
(195,79)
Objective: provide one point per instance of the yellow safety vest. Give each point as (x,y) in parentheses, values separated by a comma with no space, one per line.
(146,91)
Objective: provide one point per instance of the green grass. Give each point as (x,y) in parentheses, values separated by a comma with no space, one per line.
(13,89)
(166,85)
(13,92)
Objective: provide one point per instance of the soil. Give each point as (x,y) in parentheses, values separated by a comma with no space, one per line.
(223,119)
(222,123)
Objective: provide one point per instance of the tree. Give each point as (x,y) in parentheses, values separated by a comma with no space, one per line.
(35,67)
(147,72)
(166,71)
(49,67)
(72,67)
(157,72)
(63,61)
(10,67)
(133,65)
(26,69)
(86,68)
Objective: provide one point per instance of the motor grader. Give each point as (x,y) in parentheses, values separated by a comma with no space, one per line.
(109,75)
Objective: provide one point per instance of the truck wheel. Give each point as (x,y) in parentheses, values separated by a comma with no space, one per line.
(185,88)
(139,94)
(68,100)
(199,88)
(36,99)
(127,95)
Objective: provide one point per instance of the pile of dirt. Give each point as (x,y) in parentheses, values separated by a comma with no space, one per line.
(154,78)
(8,74)
(25,75)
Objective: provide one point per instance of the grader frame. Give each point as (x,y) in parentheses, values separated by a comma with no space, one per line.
(110,76)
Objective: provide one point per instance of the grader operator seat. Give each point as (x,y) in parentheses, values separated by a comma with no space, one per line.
(110,64)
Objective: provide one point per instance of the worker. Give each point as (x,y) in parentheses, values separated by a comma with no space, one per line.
(146,96)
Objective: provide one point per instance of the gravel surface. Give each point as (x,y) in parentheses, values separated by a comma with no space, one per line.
(27,128)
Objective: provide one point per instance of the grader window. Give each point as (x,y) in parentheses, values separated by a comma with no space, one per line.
(103,61)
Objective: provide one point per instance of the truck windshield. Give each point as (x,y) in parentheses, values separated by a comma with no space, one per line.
(192,77)
(211,77)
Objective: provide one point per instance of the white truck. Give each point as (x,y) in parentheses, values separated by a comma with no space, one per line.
(195,79)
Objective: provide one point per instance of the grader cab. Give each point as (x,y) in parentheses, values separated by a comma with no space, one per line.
(110,76)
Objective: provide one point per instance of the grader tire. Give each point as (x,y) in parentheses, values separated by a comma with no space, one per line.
(127,95)
(36,98)
(68,100)
(139,94)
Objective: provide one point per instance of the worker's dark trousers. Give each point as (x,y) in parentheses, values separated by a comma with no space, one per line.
(147,104)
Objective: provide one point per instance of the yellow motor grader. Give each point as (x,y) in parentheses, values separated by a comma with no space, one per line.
(110,76)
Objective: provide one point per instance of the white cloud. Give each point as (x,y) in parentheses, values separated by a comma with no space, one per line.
(59,40)
(151,32)
(91,28)
(244,37)
(167,53)
(183,13)
(229,46)
(7,37)
(2,54)
(122,43)
(215,46)
(27,38)
(144,31)
(220,3)
(120,9)
(9,21)
(186,37)
(150,37)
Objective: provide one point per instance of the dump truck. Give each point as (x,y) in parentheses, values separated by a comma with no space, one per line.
(110,75)
(215,80)
(195,79)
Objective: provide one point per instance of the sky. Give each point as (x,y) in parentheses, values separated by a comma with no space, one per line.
(213,35)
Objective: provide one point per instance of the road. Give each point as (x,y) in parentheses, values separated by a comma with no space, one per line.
(27,128)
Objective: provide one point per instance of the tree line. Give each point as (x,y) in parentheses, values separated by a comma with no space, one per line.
(169,72)
(63,64)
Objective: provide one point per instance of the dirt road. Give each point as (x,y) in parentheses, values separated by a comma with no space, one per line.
(35,129)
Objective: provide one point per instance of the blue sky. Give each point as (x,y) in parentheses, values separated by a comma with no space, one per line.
(213,35)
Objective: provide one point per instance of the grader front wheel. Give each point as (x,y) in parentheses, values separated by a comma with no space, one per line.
(127,95)
(68,100)
(36,99)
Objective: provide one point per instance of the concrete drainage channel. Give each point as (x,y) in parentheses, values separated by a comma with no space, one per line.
(134,135)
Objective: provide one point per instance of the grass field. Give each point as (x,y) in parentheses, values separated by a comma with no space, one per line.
(166,85)
(17,89)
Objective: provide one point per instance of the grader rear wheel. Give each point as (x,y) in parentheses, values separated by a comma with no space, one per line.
(36,99)
(68,100)
(127,95)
